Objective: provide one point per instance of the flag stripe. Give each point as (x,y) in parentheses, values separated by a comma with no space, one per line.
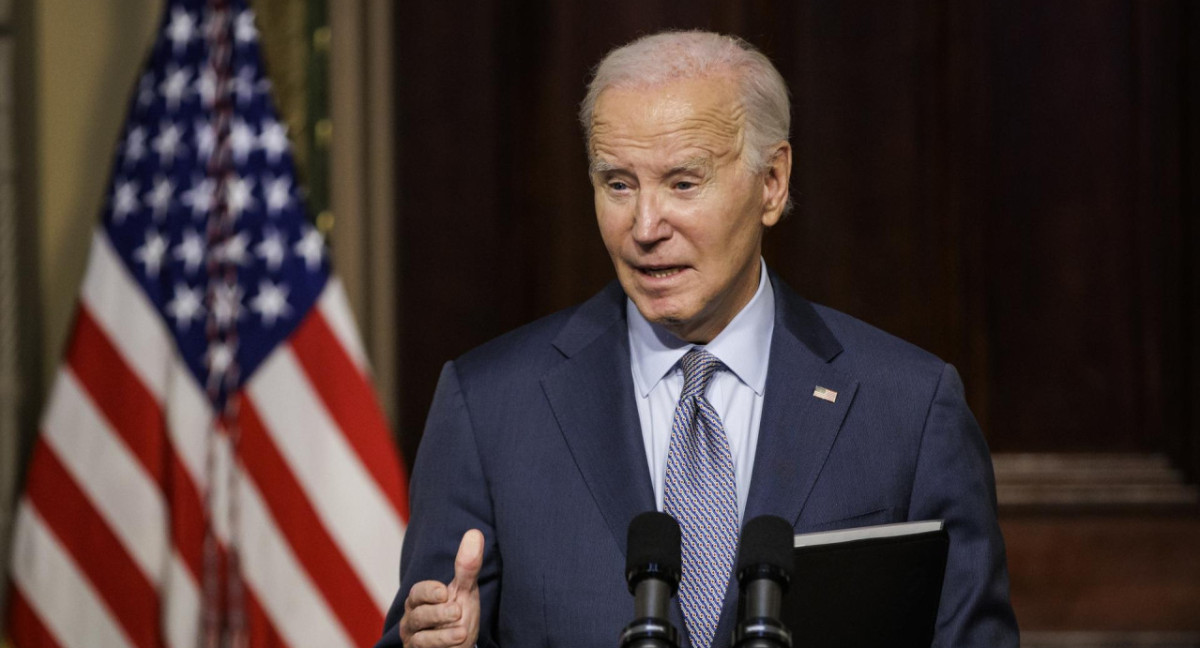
(136,417)
(181,605)
(189,422)
(262,631)
(335,308)
(129,320)
(25,628)
(330,472)
(51,584)
(118,488)
(94,550)
(130,409)
(187,518)
(321,558)
(298,609)
(350,399)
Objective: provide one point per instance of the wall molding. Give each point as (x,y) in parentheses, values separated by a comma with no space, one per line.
(1110,640)
(1092,480)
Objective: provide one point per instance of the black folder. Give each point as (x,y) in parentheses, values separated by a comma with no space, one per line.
(870,587)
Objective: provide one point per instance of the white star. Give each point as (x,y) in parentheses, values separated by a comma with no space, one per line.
(135,145)
(243,85)
(181,30)
(227,304)
(169,142)
(200,197)
(160,196)
(278,194)
(125,200)
(206,140)
(233,250)
(186,305)
(311,246)
(238,196)
(243,30)
(241,140)
(220,358)
(271,250)
(151,252)
(206,86)
(271,302)
(190,251)
(175,86)
(273,139)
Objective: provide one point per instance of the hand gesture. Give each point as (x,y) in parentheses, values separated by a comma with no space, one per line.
(446,616)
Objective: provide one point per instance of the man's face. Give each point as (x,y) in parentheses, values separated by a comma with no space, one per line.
(681,215)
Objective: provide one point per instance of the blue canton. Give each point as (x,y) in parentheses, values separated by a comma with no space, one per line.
(203,207)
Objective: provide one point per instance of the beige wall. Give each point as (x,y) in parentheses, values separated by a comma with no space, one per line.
(87,58)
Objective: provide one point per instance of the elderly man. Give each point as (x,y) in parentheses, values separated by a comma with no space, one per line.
(696,383)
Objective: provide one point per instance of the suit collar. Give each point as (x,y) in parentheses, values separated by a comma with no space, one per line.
(798,428)
(593,318)
(591,393)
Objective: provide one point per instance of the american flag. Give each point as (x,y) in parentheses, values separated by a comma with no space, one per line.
(212,467)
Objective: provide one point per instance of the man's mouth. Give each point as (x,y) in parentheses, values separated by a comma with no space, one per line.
(660,272)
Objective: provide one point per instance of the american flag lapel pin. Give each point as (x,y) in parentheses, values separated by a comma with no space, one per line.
(825,394)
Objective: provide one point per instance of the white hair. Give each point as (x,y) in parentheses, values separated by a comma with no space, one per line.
(668,56)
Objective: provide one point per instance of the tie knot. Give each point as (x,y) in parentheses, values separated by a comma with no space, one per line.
(698,367)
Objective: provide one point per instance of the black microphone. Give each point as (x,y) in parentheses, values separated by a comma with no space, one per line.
(652,569)
(764,570)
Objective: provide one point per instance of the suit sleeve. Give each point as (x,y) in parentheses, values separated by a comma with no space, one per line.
(954,482)
(448,495)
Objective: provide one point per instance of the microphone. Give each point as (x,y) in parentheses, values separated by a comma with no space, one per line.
(764,570)
(652,568)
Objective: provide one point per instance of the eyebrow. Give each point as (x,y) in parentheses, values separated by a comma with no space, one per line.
(599,166)
(697,163)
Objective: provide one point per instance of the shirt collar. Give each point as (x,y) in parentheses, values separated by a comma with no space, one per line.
(743,346)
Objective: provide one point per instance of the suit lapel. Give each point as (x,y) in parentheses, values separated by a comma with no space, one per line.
(798,429)
(591,393)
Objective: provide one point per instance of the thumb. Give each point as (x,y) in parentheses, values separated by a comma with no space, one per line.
(467,563)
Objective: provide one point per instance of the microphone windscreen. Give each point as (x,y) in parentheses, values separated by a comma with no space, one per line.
(653,540)
(766,540)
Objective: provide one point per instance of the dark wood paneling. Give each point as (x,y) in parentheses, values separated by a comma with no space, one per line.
(1097,572)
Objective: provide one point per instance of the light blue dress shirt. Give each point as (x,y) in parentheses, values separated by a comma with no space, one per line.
(736,390)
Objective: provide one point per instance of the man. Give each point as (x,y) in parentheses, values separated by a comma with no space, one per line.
(543,444)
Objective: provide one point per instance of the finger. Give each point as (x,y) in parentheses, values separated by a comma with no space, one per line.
(468,562)
(428,592)
(425,617)
(439,638)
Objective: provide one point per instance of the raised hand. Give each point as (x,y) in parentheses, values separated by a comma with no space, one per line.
(446,616)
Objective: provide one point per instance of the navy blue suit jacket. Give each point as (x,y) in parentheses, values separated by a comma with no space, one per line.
(534,439)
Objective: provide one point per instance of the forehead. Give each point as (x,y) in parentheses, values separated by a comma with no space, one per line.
(703,113)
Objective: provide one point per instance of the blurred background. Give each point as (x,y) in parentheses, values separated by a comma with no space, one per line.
(1011,184)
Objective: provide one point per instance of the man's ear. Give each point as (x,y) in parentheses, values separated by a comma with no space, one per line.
(775,183)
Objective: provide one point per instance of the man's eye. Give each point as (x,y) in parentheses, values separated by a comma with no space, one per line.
(617,185)
(684,185)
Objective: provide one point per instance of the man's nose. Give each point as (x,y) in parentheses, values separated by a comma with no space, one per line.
(649,223)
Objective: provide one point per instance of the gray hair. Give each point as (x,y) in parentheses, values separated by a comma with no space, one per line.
(667,56)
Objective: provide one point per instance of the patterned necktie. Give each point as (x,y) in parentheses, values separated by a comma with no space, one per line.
(700,494)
